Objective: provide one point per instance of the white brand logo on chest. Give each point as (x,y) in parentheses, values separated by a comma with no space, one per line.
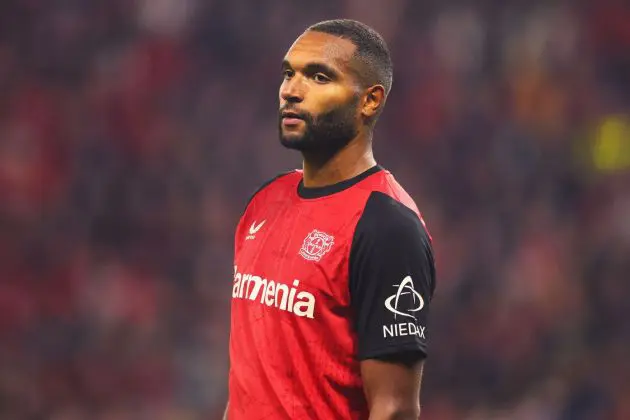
(315,245)
(253,229)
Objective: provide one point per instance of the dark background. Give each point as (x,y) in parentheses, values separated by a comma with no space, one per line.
(133,132)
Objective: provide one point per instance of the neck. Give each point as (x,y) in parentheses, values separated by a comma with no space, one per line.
(352,160)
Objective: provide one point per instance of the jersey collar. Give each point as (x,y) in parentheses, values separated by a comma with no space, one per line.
(318,192)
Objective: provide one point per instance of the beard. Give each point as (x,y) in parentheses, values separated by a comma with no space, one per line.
(326,133)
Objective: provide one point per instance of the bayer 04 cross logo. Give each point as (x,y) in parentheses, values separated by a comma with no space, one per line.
(316,244)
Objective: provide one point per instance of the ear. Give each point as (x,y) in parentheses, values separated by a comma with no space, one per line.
(373,101)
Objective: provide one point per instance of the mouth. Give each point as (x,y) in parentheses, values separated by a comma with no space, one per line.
(291,119)
(291,115)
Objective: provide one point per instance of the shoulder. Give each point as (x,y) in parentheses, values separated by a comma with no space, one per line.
(387,217)
(390,229)
(272,190)
(275,181)
(392,188)
(389,205)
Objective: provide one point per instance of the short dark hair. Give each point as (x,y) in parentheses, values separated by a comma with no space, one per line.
(372,50)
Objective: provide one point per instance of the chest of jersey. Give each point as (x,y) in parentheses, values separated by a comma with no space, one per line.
(293,257)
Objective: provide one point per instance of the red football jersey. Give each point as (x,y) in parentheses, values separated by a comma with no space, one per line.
(324,278)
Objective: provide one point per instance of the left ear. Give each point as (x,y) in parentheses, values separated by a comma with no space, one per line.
(373,100)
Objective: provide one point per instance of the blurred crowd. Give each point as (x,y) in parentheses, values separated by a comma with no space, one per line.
(132,134)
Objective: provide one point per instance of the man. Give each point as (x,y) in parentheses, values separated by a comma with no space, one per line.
(333,269)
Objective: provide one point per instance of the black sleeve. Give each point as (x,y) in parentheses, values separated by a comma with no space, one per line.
(392,279)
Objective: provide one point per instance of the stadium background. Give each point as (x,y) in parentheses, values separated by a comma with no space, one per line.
(133,132)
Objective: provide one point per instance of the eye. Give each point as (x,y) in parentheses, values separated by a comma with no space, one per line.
(321,78)
(287,74)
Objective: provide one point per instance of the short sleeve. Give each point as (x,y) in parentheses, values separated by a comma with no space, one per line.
(392,279)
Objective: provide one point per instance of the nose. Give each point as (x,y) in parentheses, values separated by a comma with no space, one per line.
(292,90)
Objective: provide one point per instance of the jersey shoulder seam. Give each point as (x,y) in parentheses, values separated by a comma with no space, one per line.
(397,213)
(265,185)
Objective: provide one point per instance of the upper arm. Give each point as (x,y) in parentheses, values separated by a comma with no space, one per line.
(392,280)
(392,385)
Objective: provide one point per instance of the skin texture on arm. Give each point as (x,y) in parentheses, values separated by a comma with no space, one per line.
(392,387)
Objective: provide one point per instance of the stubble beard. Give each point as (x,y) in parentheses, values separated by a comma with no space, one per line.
(325,134)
